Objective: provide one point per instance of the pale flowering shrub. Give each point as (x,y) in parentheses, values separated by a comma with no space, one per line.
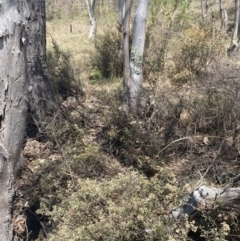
(121,208)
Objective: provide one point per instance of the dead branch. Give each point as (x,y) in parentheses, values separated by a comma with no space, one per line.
(204,197)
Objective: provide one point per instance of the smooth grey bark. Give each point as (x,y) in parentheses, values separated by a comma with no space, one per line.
(204,9)
(121,10)
(236,22)
(125,7)
(224,20)
(137,50)
(220,7)
(42,101)
(14,96)
(204,196)
(92,19)
(213,26)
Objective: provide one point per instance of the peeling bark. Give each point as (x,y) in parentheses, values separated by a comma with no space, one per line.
(132,67)
(14,98)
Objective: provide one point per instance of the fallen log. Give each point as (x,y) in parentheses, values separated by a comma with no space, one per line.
(206,197)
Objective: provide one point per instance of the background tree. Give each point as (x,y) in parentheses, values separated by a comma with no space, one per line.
(124,10)
(204,9)
(236,21)
(92,19)
(223,17)
(234,41)
(14,98)
(136,62)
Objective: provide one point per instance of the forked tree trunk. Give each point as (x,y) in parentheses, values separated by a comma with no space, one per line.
(136,62)
(14,97)
(42,100)
(92,19)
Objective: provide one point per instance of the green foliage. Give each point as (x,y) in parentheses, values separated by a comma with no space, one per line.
(155,54)
(67,133)
(197,51)
(62,73)
(57,9)
(107,59)
(51,11)
(96,75)
(168,15)
(167,8)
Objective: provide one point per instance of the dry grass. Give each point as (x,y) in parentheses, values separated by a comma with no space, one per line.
(76,42)
(98,95)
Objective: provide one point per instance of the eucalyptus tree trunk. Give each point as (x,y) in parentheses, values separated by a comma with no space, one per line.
(14,96)
(136,61)
(42,101)
(236,21)
(125,7)
(92,19)
(213,26)
(204,9)
(224,18)
(121,10)
(220,7)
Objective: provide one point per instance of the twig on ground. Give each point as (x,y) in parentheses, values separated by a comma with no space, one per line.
(181,139)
